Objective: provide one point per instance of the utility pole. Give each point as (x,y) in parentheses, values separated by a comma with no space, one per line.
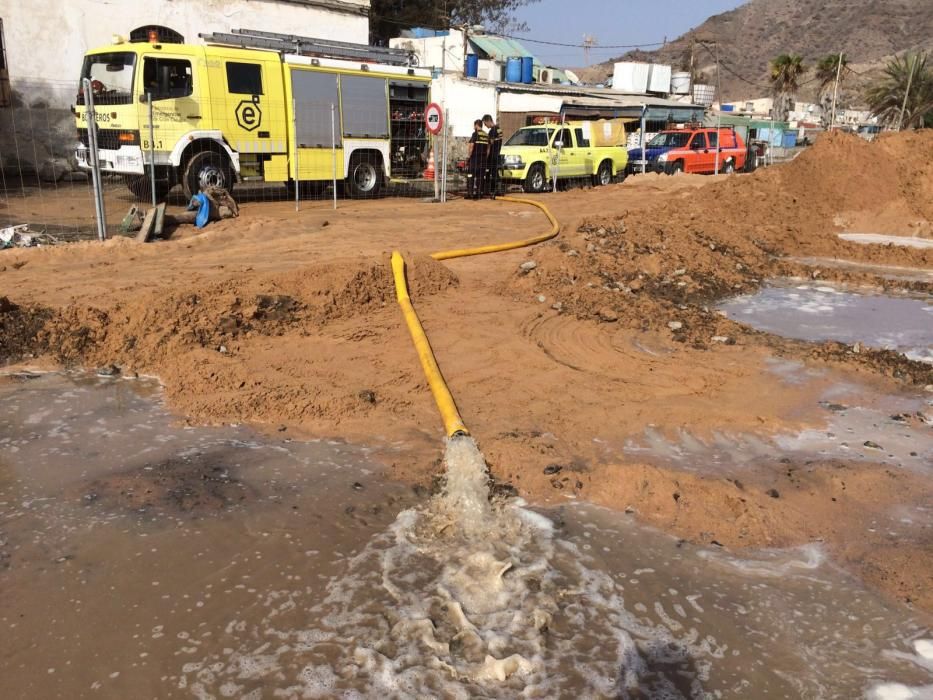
(719,112)
(589,41)
(693,52)
(832,120)
(910,78)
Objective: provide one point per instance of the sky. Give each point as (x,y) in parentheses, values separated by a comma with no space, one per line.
(611,22)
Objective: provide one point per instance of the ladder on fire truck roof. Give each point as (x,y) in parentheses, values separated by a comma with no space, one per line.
(310,46)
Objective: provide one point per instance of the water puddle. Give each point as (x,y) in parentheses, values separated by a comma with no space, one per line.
(857,425)
(142,558)
(885,239)
(828,312)
(891,272)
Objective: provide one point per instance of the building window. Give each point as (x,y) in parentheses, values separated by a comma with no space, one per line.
(244,78)
(167,78)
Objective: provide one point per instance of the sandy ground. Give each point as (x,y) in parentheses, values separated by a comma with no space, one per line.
(288,320)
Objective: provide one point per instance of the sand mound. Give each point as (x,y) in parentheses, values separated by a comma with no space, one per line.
(662,268)
(160,324)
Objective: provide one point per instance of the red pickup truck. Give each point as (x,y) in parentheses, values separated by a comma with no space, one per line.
(692,151)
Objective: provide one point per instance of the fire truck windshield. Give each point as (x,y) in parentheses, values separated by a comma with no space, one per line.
(111,76)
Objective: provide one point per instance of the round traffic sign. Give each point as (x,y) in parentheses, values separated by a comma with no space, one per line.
(434,118)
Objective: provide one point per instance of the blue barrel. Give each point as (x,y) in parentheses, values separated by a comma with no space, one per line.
(471,70)
(528,69)
(513,70)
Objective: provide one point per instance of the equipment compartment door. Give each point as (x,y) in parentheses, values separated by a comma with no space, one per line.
(316,96)
(249,105)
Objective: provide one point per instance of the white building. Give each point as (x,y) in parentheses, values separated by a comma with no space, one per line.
(43,43)
(44,40)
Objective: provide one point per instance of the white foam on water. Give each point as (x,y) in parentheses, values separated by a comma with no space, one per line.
(898,691)
(770,563)
(464,598)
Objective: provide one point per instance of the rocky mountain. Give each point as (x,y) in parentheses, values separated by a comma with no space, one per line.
(868,31)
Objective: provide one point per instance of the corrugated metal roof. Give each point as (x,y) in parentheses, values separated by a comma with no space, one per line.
(499,48)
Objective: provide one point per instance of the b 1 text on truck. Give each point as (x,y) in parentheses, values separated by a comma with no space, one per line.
(253,106)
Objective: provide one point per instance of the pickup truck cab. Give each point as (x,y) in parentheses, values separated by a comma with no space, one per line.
(534,155)
(691,151)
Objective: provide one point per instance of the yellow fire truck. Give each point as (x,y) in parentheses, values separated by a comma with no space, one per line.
(253,106)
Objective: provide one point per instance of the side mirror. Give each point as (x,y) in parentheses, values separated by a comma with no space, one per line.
(144,98)
(558,144)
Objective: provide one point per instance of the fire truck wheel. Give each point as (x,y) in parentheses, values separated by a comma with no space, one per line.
(364,179)
(142,190)
(207,169)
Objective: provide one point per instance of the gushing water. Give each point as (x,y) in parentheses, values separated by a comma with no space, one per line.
(458,598)
(236,560)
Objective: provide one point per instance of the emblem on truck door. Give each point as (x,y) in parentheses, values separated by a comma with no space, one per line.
(248,114)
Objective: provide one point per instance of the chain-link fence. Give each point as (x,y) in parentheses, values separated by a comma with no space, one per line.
(166,146)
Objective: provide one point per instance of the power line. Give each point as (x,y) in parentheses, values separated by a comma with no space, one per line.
(582,46)
(760,86)
(544,42)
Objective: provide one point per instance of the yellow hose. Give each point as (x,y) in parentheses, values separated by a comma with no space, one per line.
(453,423)
(499,247)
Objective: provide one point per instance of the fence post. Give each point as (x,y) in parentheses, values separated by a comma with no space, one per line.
(556,165)
(151,150)
(295,131)
(444,163)
(333,146)
(644,127)
(436,152)
(95,160)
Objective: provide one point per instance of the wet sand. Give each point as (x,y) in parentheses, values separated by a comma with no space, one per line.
(288,320)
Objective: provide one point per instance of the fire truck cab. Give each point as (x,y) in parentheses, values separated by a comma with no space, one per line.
(252,106)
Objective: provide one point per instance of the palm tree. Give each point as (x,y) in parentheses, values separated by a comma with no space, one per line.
(827,70)
(786,70)
(903,96)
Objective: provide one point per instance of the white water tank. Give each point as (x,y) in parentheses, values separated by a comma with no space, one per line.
(704,94)
(659,78)
(631,77)
(680,83)
(489,70)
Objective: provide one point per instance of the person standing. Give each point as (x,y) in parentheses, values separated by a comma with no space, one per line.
(495,146)
(478,161)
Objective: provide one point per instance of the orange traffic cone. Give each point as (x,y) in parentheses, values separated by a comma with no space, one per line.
(429,171)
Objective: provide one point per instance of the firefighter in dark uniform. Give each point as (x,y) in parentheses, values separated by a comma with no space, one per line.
(478,161)
(495,146)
